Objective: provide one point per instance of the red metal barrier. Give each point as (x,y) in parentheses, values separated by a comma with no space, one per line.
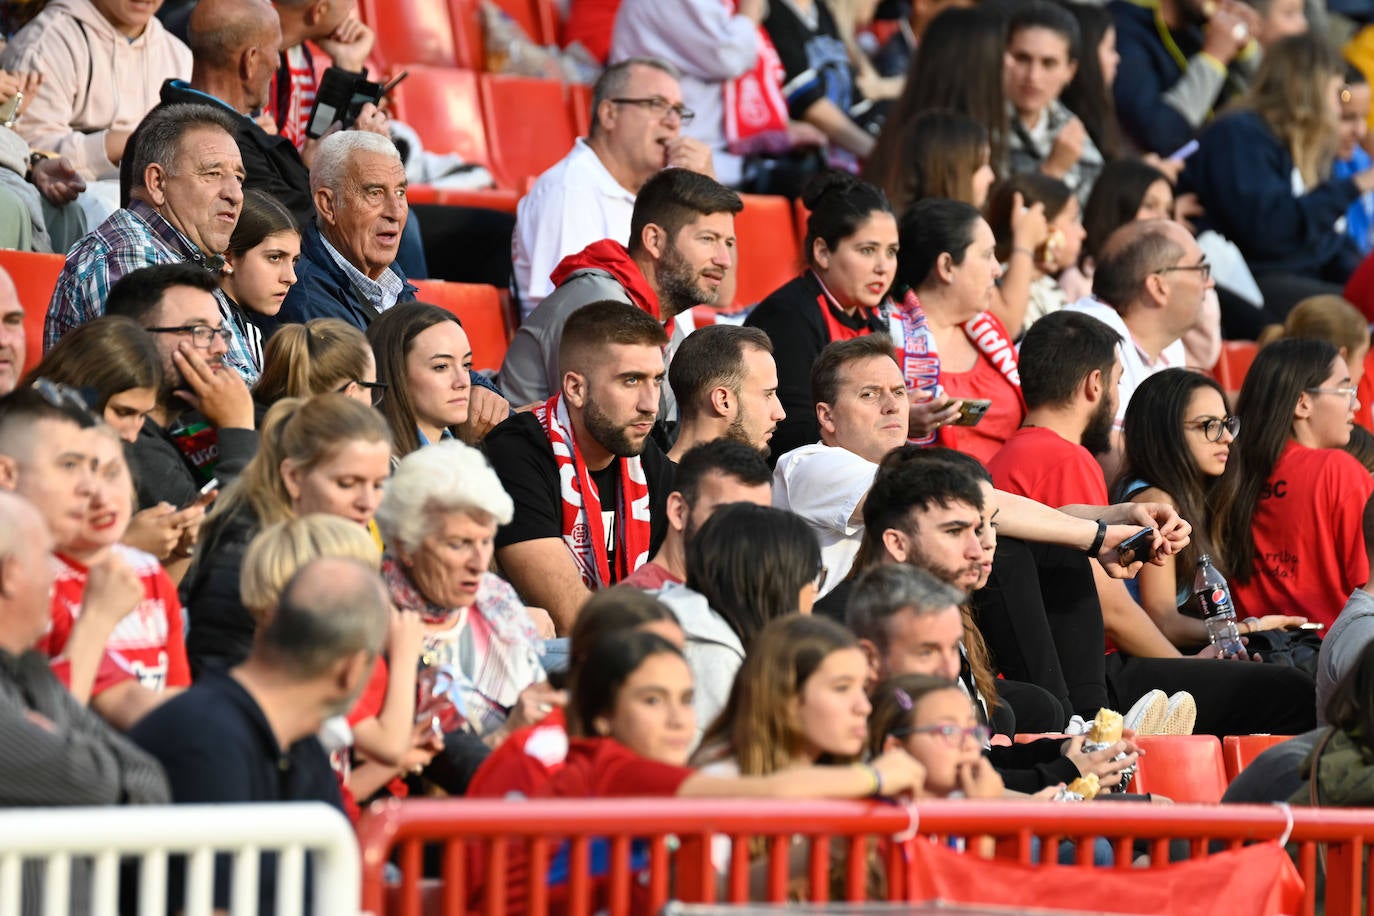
(678,833)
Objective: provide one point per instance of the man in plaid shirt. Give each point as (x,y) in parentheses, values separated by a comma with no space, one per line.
(184,204)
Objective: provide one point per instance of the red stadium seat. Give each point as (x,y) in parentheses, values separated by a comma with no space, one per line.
(468,46)
(1238,751)
(416,31)
(538,18)
(1186,768)
(580,107)
(442,105)
(528,127)
(35,277)
(485,317)
(766,242)
(1236,357)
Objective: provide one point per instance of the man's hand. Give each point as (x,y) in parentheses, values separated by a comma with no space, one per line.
(349,44)
(1174,531)
(926,415)
(1067,149)
(220,395)
(57,180)
(372,119)
(486,408)
(689,154)
(1231,28)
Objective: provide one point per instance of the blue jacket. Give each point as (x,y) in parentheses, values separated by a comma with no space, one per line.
(1242,175)
(323,290)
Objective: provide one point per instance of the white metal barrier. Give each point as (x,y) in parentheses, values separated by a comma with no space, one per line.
(58,836)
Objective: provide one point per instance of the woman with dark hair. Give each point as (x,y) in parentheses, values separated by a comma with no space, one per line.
(1262,174)
(942,154)
(424,362)
(1178,438)
(1128,189)
(1062,244)
(746,565)
(953,347)
(851,256)
(1089,93)
(1286,515)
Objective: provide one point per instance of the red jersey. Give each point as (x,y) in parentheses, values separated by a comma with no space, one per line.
(1003,419)
(1042,465)
(149,638)
(1309,543)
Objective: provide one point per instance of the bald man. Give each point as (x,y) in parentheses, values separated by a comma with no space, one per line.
(236,45)
(53,750)
(12,348)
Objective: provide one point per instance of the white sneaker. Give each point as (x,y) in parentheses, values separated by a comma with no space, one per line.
(1147,716)
(1181,715)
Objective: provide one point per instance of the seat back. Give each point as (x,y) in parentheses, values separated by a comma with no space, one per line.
(580,108)
(1186,768)
(766,242)
(528,125)
(481,310)
(1238,751)
(417,31)
(35,277)
(443,106)
(1236,357)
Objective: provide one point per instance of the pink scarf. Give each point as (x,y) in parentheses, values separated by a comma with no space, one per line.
(583,529)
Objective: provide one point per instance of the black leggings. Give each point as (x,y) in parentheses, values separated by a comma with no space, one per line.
(1040,617)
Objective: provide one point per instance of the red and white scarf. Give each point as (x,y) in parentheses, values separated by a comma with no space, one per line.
(921,363)
(583,529)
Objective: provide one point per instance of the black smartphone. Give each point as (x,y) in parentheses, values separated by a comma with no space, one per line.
(340,97)
(971,410)
(1136,547)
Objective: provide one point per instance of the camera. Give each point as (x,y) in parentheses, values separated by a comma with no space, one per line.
(341,97)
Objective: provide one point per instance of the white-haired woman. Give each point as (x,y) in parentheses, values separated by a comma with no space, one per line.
(439,518)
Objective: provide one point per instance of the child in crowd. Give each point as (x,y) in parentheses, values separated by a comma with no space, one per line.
(1062,244)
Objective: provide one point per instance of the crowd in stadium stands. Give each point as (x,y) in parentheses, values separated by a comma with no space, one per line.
(269,535)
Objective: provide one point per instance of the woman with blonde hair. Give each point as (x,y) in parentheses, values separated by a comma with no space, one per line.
(327,454)
(1262,174)
(380,725)
(322,355)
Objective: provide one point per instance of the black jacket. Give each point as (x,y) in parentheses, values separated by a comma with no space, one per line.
(220,629)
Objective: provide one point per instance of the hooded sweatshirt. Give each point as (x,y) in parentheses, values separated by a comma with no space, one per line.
(713,651)
(94,80)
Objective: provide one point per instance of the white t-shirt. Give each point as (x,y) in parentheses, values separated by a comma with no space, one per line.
(576,202)
(1136,366)
(824,485)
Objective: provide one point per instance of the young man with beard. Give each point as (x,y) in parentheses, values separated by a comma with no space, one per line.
(202,426)
(708,476)
(726,385)
(681,245)
(588,482)
(1070,367)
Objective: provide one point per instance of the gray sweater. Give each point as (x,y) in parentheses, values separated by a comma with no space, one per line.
(714,652)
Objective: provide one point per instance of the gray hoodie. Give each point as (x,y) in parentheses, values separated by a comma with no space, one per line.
(714,652)
(1352,631)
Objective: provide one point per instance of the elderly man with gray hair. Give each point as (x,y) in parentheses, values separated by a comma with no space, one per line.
(348,264)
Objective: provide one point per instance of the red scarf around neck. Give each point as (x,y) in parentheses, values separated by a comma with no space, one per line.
(583,529)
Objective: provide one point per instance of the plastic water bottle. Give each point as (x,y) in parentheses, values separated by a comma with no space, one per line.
(1218,612)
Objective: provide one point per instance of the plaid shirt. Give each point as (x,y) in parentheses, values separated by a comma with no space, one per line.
(132,237)
(381,293)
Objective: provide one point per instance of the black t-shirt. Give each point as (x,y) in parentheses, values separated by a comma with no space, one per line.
(522,457)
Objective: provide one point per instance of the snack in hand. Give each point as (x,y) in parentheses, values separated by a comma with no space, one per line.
(1086,786)
(1106,727)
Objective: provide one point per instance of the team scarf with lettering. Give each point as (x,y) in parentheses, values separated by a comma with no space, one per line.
(583,530)
(921,362)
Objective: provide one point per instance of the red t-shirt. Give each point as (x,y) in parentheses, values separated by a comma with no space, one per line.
(1042,465)
(149,638)
(1001,421)
(1309,544)
(650,578)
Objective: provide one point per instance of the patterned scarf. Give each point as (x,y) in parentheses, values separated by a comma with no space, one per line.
(583,528)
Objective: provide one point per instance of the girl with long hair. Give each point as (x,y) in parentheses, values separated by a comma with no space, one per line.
(1089,93)
(1178,439)
(327,454)
(259,269)
(1062,244)
(1286,515)
(942,154)
(851,258)
(424,361)
(746,565)
(322,355)
(1262,171)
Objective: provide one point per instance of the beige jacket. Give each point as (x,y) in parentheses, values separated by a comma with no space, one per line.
(94,80)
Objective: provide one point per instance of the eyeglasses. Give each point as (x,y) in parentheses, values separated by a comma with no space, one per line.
(376,389)
(1212,427)
(659,107)
(202,335)
(1204,269)
(66,399)
(952,735)
(1348,392)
